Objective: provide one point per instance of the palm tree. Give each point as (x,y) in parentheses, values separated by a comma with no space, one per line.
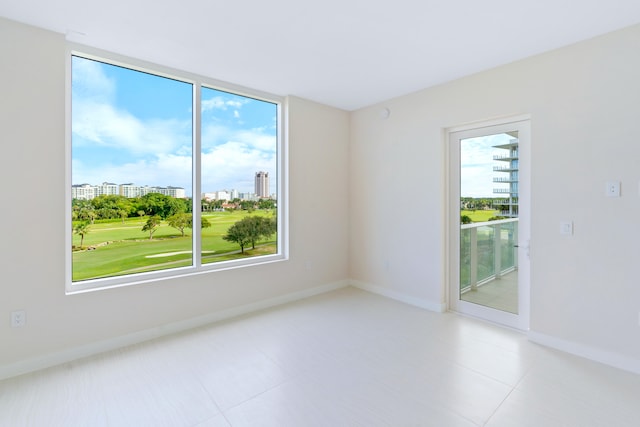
(151,225)
(81,229)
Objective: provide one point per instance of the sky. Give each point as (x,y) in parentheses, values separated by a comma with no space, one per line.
(134,127)
(476,165)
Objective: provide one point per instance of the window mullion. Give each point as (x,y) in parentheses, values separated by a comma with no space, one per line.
(197,184)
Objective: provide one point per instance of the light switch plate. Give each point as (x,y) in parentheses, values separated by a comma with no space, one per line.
(566,228)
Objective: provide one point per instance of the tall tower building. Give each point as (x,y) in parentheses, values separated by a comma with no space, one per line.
(262,184)
(509,170)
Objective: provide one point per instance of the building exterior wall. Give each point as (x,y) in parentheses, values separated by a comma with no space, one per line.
(262,184)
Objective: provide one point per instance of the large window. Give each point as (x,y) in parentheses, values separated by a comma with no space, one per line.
(168,175)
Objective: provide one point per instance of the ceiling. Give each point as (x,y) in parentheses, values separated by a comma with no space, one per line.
(344,53)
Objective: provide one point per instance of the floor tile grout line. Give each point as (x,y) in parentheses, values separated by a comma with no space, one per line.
(524,375)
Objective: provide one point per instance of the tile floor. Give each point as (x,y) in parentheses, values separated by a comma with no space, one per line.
(346,358)
(501,294)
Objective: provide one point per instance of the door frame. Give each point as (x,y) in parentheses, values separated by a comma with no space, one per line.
(452,137)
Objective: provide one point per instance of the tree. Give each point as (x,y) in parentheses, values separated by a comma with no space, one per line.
(247,205)
(180,221)
(204,222)
(238,233)
(92,216)
(162,205)
(152,225)
(250,230)
(266,204)
(86,212)
(123,214)
(465,219)
(175,206)
(81,229)
(260,227)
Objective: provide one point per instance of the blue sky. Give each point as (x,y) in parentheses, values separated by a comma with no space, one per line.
(476,165)
(129,126)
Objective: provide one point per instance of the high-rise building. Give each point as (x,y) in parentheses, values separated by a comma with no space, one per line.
(509,171)
(262,184)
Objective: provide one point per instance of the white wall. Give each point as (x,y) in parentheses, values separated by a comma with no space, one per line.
(32,114)
(584,101)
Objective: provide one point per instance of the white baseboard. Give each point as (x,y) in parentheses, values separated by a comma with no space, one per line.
(598,355)
(398,296)
(68,355)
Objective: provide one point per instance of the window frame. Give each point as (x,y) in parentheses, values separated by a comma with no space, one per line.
(198,82)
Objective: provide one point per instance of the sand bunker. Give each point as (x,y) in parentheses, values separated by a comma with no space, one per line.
(166,254)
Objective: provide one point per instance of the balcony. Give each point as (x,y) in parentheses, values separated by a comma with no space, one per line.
(506,157)
(505,168)
(505,191)
(513,201)
(489,263)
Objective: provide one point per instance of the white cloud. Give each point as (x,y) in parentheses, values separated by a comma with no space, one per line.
(96,119)
(89,81)
(476,160)
(105,125)
(220,103)
(215,134)
(233,165)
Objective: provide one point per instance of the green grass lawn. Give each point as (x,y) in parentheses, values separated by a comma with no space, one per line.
(123,248)
(480,215)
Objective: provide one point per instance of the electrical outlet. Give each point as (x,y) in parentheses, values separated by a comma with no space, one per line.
(18,318)
(613,189)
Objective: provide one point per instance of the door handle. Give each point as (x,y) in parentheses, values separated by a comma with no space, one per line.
(527,247)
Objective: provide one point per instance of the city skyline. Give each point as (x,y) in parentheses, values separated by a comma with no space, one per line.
(88,191)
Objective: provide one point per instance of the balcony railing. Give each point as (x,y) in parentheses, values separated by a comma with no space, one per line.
(511,156)
(487,251)
(506,202)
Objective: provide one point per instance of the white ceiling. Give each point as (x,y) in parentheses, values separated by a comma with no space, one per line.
(344,53)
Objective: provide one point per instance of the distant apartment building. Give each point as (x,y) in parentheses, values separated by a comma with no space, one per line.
(508,175)
(262,184)
(247,196)
(221,195)
(217,195)
(129,190)
(175,192)
(83,192)
(106,189)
